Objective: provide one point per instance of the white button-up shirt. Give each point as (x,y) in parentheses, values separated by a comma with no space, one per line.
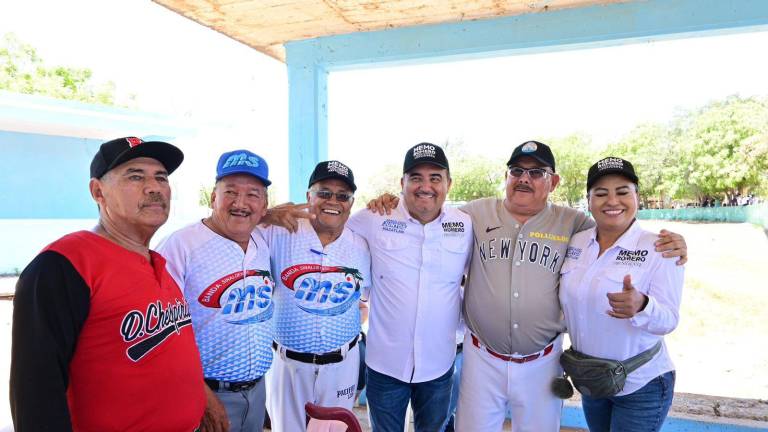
(587,278)
(415,298)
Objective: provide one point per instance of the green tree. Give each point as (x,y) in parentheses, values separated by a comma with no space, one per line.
(23,71)
(725,150)
(475,177)
(573,157)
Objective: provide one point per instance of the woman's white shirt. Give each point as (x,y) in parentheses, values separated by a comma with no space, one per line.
(585,281)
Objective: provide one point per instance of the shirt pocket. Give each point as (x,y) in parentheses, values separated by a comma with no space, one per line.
(453,257)
(393,242)
(614,280)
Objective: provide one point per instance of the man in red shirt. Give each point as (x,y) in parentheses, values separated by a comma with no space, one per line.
(102,335)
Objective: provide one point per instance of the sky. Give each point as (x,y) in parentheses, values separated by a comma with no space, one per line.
(238,96)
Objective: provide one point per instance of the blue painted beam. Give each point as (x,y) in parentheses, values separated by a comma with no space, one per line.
(600,25)
(309,61)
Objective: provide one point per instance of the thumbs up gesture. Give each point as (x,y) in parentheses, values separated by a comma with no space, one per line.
(628,302)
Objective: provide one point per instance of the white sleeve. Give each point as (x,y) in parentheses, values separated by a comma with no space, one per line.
(662,313)
(266,233)
(366,271)
(358,222)
(176,255)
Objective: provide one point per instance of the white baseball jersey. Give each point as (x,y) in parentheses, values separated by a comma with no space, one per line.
(318,287)
(230,296)
(587,278)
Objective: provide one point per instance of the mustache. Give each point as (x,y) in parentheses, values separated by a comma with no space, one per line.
(524,188)
(155,199)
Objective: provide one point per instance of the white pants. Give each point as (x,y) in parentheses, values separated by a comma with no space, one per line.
(291,384)
(490,385)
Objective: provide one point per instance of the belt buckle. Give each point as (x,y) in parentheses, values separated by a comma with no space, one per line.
(241,386)
(314,358)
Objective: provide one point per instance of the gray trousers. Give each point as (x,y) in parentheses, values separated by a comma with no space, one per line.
(245,409)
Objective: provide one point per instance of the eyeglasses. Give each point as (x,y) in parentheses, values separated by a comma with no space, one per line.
(326,195)
(533,173)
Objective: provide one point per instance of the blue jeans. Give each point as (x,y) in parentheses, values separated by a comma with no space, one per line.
(449,425)
(641,411)
(388,399)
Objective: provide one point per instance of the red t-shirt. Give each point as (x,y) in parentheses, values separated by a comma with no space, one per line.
(135,365)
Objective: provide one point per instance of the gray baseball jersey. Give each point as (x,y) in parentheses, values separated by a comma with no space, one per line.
(511,296)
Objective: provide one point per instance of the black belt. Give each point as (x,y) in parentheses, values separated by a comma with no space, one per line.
(459,347)
(215,385)
(318,359)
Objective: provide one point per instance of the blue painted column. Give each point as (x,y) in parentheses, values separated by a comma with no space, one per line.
(308,117)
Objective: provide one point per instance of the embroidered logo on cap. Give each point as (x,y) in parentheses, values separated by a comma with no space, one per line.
(610,163)
(424,150)
(338,168)
(133,141)
(529,147)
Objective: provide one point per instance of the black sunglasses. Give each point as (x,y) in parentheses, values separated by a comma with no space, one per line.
(326,195)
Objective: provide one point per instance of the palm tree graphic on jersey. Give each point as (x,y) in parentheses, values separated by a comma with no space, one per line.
(323,297)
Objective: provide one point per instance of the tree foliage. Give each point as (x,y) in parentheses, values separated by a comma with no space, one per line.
(475,177)
(23,71)
(715,151)
(725,147)
(573,156)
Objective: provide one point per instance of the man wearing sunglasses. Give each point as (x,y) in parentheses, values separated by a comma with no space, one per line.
(321,271)
(511,304)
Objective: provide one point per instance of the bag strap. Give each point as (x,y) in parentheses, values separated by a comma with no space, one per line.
(635,362)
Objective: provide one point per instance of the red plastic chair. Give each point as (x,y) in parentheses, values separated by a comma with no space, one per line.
(330,419)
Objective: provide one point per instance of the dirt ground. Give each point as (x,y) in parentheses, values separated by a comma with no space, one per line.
(720,345)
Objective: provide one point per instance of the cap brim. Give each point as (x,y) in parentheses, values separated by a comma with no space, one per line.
(337,177)
(437,164)
(631,177)
(167,154)
(532,156)
(243,171)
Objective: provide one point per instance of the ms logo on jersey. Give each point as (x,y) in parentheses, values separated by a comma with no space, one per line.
(323,290)
(248,302)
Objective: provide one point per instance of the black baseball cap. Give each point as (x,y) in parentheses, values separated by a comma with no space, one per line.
(534,149)
(333,169)
(610,165)
(425,153)
(121,150)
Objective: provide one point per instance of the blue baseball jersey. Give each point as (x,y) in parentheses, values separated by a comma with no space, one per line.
(318,288)
(230,297)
